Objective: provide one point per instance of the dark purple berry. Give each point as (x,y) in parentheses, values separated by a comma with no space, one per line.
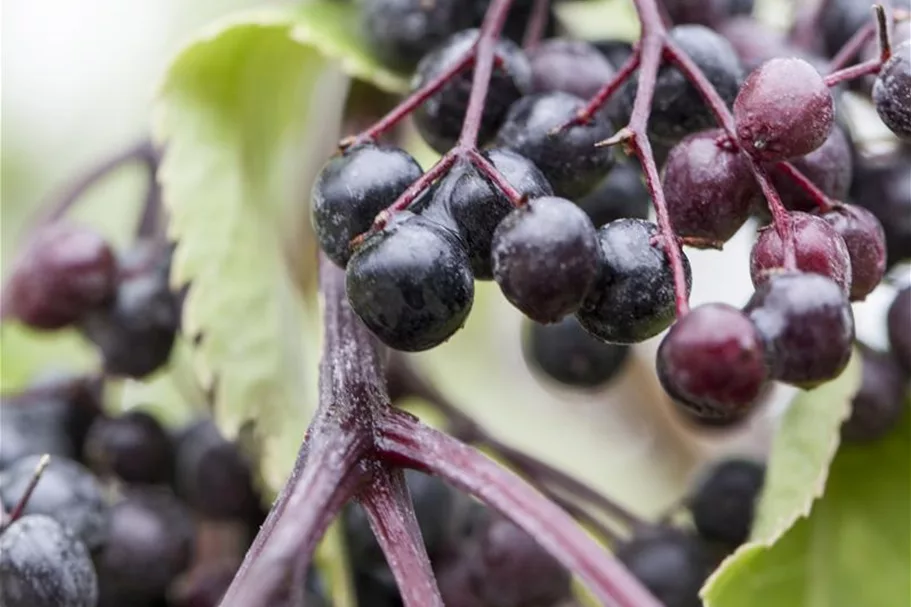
(892,91)
(899,326)
(881,399)
(670,563)
(212,475)
(440,118)
(712,362)
(724,502)
(842,18)
(467,200)
(706,12)
(709,189)
(678,108)
(783,110)
(568,354)
(619,195)
(829,167)
(63,272)
(568,156)
(133,447)
(572,66)
(817,245)
(400,32)
(136,331)
(51,416)
(352,189)
(633,297)
(411,283)
(863,235)
(807,325)
(545,258)
(67,492)
(150,543)
(510,569)
(44,565)
(883,187)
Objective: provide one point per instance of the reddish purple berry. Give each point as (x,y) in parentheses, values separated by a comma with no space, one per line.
(783,110)
(866,242)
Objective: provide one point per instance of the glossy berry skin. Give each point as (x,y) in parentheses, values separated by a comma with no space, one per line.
(43,565)
(892,90)
(712,362)
(829,167)
(439,119)
(678,109)
(464,198)
(783,110)
(133,447)
(411,283)
(866,243)
(880,401)
(818,248)
(212,475)
(352,189)
(884,188)
(807,325)
(633,297)
(572,66)
(545,258)
(899,327)
(621,194)
(150,544)
(67,492)
(709,189)
(136,331)
(64,272)
(568,158)
(670,563)
(724,501)
(400,32)
(566,353)
(51,416)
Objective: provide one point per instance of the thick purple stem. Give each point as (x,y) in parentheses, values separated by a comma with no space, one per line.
(407,440)
(395,526)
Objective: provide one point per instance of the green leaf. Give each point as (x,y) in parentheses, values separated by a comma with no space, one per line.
(249,111)
(854,548)
(26,353)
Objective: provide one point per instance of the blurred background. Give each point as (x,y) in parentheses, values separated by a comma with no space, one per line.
(79,81)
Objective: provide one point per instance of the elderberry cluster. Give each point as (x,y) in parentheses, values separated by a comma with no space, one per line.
(67,275)
(560,221)
(127,512)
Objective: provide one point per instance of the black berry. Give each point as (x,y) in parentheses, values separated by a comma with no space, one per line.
(724,502)
(880,401)
(134,447)
(411,283)
(892,90)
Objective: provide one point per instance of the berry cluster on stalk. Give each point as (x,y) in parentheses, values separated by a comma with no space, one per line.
(572,174)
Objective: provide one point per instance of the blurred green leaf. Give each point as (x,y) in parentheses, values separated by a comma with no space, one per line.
(249,111)
(599,19)
(25,353)
(852,546)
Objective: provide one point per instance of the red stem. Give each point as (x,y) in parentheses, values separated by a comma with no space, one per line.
(696,76)
(406,440)
(610,88)
(395,526)
(537,24)
(486,48)
(412,102)
(780,215)
(414,191)
(652,44)
(491,172)
(855,71)
(27,494)
(823,203)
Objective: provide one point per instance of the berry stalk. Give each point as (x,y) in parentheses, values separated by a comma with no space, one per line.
(408,441)
(27,494)
(392,518)
(537,24)
(485,51)
(823,203)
